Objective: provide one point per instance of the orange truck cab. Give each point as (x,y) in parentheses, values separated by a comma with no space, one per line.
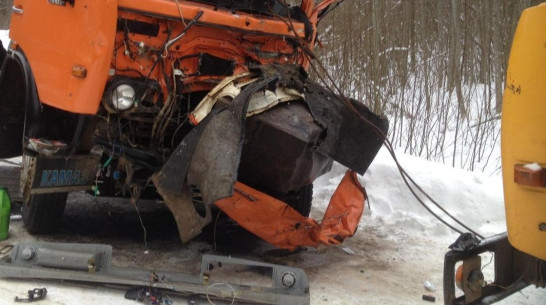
(187,101)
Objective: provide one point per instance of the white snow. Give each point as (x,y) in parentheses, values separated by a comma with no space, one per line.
(535,167)
(398,247)
(4,37)
(474,197)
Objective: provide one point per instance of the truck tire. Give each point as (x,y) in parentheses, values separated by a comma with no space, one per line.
(301,199)
(2,53)
(43,212)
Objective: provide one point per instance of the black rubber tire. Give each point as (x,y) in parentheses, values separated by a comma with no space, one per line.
(301,200)
(2,53)
(43,212)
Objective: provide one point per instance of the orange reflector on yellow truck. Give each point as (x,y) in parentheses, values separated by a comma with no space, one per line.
(279,224)
(529,175)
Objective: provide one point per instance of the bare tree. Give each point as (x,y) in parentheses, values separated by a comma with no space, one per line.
(5,13)
(436,68)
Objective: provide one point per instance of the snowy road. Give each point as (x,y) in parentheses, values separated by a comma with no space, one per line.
(397,248)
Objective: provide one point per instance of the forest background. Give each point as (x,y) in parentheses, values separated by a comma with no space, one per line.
(436,68)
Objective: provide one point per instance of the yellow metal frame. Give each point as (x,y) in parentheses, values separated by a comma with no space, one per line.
(524,132)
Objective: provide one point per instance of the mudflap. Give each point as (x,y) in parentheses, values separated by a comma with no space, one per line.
(2,53)
(277,223)
(206,162)
(56,174)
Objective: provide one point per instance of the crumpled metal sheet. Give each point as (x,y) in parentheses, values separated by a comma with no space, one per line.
(206,159)
(228,87)
(215,162)
(348,138)
(282,226)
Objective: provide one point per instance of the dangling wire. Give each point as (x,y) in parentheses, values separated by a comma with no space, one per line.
(218,284)
(135,194)
(180,12)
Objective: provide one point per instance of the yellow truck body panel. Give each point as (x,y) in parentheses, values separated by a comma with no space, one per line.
(524,133)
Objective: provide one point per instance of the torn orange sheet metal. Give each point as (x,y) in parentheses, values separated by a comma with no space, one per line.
(282,226)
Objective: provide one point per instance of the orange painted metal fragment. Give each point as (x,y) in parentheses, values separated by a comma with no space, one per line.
(282,226)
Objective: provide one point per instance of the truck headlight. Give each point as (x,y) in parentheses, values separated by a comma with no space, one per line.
(123,97)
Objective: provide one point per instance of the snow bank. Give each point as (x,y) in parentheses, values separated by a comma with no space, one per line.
(474,198)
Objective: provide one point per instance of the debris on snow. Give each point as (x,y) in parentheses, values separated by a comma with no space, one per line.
(429,298)
(348,250)
(430,286)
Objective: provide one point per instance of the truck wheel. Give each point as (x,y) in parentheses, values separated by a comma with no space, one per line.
(301,200)
(2,53)
(43,212)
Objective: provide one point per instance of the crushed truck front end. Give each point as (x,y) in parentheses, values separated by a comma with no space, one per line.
(181,99)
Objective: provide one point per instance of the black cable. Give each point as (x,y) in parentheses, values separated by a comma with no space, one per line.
(402,171)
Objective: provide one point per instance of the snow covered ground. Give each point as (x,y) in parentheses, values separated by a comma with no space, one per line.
(4,37)
(398,247)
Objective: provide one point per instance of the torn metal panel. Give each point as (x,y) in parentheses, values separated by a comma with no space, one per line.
(215,162)
(228,87)
(170,183)
(265,100)
(188,220)
(208,159)
(231,87)
(286,285)
(351,130)
(282,226)
(288,147)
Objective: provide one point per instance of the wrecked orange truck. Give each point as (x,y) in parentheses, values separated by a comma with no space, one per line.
(203,104)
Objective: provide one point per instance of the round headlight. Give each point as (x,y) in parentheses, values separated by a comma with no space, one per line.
(123,97)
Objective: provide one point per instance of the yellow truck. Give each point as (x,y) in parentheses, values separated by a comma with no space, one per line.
(519,254)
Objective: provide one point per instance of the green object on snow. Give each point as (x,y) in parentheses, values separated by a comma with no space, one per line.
(5,206)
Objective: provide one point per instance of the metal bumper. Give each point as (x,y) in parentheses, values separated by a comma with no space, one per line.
(514,270)
(219,279)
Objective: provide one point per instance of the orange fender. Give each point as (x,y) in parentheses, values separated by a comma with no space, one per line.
(282,226)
